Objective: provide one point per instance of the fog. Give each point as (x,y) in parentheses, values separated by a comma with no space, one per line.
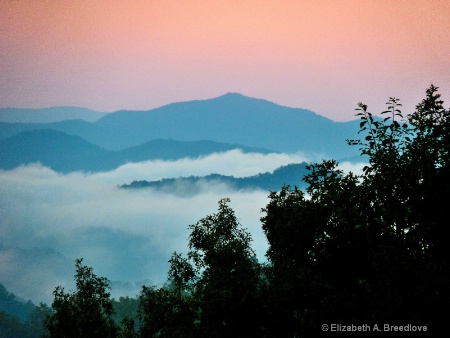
(49,219)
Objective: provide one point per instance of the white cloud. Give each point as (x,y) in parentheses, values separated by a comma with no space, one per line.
(354,167)
(49,219)
(232,162)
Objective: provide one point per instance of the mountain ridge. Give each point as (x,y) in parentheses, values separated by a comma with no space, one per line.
(49,114)
(67,153)
(230,118)
(290,174)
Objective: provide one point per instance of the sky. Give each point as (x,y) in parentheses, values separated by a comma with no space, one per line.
(322,55)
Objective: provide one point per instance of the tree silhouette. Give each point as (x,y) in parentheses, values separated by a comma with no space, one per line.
(214,291)
(86,312)
(367,248)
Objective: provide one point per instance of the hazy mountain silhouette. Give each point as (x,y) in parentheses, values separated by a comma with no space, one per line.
(48,115)
(13,305)
(231,118)
(291,174)
(78,127)
(66,153)
(54,149)
(173,150)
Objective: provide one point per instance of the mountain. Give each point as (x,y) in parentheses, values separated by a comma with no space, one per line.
(19,318)
(164,149)
(79,128)
(231,118)
(54,149)
(47,115)
(235,118)
(291,174)
(66,153)
(13,305)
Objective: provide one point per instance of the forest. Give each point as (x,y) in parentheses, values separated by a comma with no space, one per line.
(347,253)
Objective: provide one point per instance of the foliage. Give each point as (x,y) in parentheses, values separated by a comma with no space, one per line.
(164,312)
(86,312)
(13,305)
(126,312)
(214,291)
(19,318)
(11,326)
(367,248)
(35,323)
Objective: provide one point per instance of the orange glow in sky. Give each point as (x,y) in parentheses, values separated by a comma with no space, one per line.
(324,55)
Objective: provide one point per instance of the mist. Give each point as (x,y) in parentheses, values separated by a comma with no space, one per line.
(49,219)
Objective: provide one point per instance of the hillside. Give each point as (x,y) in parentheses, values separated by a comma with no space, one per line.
(65,153)
(48,115)
(291,174)
(13,305)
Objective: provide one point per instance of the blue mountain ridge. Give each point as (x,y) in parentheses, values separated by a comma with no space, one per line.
(48,115)
(290,174)
(66,153)
(232,118)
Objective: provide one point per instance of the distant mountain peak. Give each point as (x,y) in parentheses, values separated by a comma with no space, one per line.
(241,99)
(233,94)
(235,98)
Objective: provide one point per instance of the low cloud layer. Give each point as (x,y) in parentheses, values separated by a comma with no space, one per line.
(48,220)
(233,162)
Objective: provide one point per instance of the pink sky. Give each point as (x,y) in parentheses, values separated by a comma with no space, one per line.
(323,55)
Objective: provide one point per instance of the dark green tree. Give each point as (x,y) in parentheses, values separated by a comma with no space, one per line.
(36,320)
(165,312)
(126,316)
(367,248)
(11,326)
(214,292)
(86,312)
(228,288)
(20,319)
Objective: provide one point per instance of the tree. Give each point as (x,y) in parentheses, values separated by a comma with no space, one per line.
(126,316)
(36,319)
(11,326)
(367,248)
(20,319)
(227,290)
(214,292)
(164,312)
(86,312)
